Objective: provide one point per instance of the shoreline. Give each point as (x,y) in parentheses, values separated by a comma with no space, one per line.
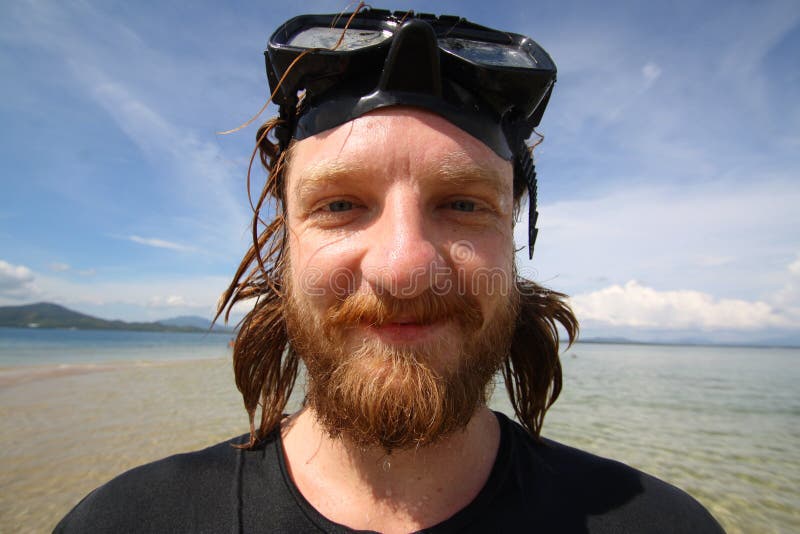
(15,375)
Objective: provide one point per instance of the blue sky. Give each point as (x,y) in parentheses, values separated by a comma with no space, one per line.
(668,178)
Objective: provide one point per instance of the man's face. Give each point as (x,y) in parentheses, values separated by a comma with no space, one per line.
(400,271)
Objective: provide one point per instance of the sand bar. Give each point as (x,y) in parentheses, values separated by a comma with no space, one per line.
(68,429)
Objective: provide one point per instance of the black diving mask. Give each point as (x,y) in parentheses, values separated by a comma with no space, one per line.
(492,84)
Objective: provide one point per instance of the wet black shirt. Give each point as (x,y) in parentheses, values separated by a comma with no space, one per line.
(533,487)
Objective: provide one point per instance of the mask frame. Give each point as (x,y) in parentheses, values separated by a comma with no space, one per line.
(494,85)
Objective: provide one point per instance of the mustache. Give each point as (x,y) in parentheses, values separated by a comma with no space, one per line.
(426,308)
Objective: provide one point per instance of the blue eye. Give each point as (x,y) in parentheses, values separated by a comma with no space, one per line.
(340,205)
(463,205)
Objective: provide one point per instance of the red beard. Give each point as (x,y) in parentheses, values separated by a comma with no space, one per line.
(399,396)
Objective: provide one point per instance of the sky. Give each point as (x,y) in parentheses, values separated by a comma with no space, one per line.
(668,178)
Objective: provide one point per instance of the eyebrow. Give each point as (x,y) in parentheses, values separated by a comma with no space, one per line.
(327,173)
(460,171)
(456,170)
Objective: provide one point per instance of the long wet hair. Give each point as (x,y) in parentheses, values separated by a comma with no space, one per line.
(265,364)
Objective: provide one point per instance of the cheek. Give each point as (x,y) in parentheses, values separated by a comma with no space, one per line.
(323,271)
(485,269)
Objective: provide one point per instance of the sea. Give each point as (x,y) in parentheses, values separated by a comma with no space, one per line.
(722,423)
(47,346)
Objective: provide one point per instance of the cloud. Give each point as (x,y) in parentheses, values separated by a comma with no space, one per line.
(794,267)
(637,306)
(650,73)
(787,298)
(714,261)
(160,243)
(668,107)
(137,299)
(767,23)
(733,242)
(170,301)
(162,99)
(130,300)
(17,282)
(59,267)
(199,174)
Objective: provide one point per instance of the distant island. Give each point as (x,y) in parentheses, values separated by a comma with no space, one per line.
(49,315)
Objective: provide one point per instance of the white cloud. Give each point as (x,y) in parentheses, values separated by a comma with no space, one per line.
(787,298)
(16,282)
(794,267)
(725,241)
(637,306)
(766,23)
(58,267)
(146,97)
(130,300)
(170,301)
(160,243)
(714,261)
(199,173)
(137,299)
(650,73)
(672,109)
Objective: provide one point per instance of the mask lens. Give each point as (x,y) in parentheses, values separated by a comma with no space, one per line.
(494,54)
(326,37)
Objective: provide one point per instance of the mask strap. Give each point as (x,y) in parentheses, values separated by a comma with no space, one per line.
(527,171)
(284,131)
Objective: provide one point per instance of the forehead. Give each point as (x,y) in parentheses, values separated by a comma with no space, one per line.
(396,143)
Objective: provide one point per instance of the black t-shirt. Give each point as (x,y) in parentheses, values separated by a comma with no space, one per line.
(533,487)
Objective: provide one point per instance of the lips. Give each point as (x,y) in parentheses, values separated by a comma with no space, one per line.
(406,331)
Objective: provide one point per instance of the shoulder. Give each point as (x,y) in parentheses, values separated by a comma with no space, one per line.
(167,495)
(607,495)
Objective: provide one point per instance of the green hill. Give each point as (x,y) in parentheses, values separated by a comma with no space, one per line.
(48,315)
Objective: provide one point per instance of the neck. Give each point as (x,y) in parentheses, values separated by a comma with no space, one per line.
(364,488)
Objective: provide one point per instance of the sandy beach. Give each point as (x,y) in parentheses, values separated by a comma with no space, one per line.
(68,429)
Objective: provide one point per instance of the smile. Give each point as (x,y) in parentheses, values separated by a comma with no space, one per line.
(400,332)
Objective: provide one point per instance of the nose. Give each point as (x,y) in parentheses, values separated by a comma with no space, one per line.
(402,257)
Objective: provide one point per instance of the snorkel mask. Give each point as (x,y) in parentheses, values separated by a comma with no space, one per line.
(494,85)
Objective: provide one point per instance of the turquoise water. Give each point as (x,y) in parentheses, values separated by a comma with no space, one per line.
(723,423)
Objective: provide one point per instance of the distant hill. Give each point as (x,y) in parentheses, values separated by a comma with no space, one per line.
(48,315)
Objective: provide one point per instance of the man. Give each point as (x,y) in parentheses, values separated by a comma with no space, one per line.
(397,171)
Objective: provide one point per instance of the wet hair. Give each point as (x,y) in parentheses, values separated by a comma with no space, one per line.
(266,365)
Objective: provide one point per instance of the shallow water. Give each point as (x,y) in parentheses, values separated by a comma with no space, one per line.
(43,346)
(721,423)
